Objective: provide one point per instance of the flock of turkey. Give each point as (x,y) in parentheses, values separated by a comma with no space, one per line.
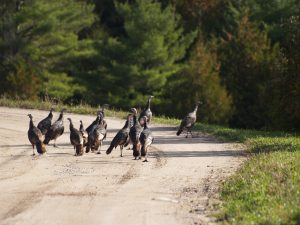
(135,131)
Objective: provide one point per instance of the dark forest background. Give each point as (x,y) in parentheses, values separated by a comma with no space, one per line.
(241,58)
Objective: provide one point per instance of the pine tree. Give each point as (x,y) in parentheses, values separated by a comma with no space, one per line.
(140,61)
(38,37)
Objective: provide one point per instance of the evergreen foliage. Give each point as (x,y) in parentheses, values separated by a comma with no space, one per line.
(244,64)
(37,38)
(140,61)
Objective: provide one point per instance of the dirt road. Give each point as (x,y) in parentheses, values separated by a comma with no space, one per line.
(59,188)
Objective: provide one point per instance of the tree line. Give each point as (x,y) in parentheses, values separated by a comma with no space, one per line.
(241,58)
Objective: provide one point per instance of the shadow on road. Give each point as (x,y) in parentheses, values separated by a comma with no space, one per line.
(182,140)
(226,153)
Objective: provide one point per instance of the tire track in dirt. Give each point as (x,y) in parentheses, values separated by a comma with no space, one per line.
(13,165)
(28,201)
(13,158)
(130,173)
(161,160)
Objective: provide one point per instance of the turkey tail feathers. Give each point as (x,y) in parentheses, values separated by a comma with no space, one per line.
(109,150)
(47,140)
(79,150)
(179,131)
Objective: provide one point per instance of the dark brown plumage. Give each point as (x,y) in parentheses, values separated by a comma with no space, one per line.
(83,133)
(134,135)
(35,137)
(94,123)
(76,139)
(56,129)
(121,139)
(96,137)
(188,122)
(45,124)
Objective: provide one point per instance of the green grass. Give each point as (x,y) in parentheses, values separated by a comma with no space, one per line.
(80,109)
(265,190)
(255,141)
(46,105)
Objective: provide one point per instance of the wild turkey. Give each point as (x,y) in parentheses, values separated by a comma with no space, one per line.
(104,123)
(91,129)
(35,137)
(147,111)
(94,123)
(76,139)
(131,123)
(56,129)
(188,121)
(121,138)
(104,106)
(96,137)
(134,134)
(146,139)
(45,124)
(83,133)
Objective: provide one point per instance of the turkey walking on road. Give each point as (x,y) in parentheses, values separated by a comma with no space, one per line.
(147,111)
(104,123)
(45,124)
(94,123)
(35,137)
(56,129)
(104,106)
(96,137)
(121,138)
(83,133)
(76,139)
(146,139)
(134,134)
(188,122)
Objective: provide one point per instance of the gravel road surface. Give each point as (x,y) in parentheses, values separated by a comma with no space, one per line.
(176,186)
